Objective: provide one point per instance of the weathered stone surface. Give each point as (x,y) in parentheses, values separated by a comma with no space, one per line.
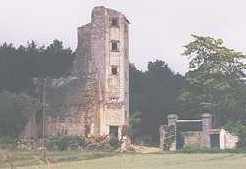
(204,136)
(206,126)
(192,138)
(95,97)
(228,140)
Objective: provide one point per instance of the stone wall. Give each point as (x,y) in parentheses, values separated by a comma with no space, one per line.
(91,99)
(113,108)
(192,138)
(228,140)
(205,137)
(66,110)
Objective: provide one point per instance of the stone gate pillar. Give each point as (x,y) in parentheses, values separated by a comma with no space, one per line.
(172,121)
(162,136)
(206,126)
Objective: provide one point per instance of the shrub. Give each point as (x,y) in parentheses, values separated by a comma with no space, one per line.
(198,149)
(239,129)
(65,142)
(7,142)
(100,143)
(114,142)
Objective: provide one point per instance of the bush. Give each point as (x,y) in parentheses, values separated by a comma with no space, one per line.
(65,142)
(198,149)
(7,142)
(101,143)
(114,142)
(239,129)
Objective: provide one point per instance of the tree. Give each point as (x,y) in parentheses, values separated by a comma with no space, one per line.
(137,81)
(135,120)
(154,93)
(19,65)
(238,128)
(214,80)
(14,112)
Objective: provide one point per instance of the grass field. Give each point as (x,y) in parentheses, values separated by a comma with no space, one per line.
(77,160)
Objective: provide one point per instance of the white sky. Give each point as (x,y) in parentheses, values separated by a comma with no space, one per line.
(159,28)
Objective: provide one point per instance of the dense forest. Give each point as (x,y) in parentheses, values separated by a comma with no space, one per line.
(19,65)
(153,95)
(214,83)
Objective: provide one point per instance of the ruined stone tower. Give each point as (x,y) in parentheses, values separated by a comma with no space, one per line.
(94,99)
(103,59)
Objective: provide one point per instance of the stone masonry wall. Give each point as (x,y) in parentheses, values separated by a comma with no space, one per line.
(92,99)
(81,104)
(192,138)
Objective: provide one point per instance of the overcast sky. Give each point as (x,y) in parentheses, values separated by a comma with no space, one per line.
(158,30)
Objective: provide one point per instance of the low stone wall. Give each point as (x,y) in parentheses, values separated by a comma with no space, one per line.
(69,126)
(228,140)
(187,137)
(192,138)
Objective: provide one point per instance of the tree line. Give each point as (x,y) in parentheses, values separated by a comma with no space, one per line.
(18,68)
(19,65)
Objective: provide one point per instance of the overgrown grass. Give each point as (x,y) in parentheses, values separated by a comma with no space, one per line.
(193,149)
(114,160)
(21,159)
(156,161)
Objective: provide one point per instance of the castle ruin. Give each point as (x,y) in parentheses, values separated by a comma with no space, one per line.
(103,45)
(94,99)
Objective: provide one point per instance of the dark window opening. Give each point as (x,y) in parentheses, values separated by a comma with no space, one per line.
(62,120)
(115,46)
(87,130)
(215,140)
(114,99)
(115,22)
(114,70)
(65,132)
(113,131)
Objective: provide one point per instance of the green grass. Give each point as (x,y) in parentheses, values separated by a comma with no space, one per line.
(78,160)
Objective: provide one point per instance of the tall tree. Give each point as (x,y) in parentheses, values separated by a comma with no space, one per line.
(14,112)
(153,95)
(214,80)
(19,65)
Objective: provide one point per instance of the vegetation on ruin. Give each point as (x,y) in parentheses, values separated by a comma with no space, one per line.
(100,143)
(14,112)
